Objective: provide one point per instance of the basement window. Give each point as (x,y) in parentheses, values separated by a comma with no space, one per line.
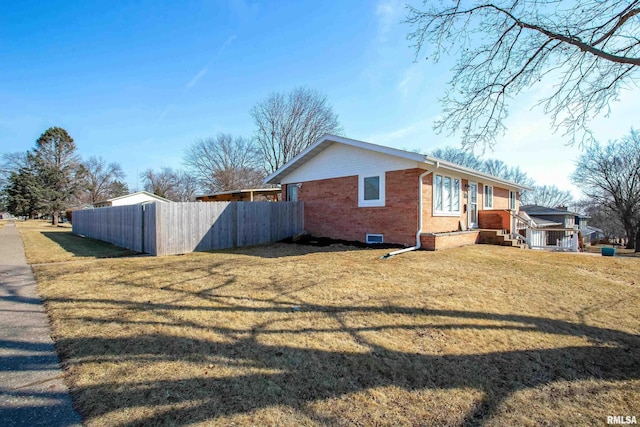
(375,238)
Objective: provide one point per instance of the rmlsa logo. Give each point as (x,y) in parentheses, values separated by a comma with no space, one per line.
(619,419)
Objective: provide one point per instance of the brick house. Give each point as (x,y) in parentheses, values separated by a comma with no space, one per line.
(355,190)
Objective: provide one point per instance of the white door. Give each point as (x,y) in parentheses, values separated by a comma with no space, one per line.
(472,205)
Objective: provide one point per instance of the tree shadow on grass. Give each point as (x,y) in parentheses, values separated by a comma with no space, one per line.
(304,375)
(87,247)
(287,248)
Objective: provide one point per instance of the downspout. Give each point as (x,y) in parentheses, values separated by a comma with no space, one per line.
(417,246)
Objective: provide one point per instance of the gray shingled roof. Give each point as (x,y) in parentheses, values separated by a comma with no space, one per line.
(543,210)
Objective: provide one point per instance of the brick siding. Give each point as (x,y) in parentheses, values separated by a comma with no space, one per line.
(495,220)
(331,208)
(433,242)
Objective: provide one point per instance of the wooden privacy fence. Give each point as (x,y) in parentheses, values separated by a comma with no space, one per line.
(177,228)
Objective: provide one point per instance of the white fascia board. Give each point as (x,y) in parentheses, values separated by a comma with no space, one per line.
(113,199)
(328,139)
(477,174)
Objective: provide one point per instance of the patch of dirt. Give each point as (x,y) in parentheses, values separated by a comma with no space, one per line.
(310,240)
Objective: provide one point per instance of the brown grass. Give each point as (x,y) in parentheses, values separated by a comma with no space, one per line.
(295,335)
(46,243)
(620,250)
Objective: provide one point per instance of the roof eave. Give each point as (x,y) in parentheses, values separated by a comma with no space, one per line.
(475,173)
(276,177)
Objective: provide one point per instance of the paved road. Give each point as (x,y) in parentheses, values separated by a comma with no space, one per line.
(32,392)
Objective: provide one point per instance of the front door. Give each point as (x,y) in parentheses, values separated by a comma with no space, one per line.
(472,209)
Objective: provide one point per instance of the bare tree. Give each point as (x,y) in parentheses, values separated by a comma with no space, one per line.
(610,175)
(225,163)
(549,196)
(602,217)
(458,156)
(160,183)
(493,167)
(186,187)
(590,48)
(101,179)
(11,163)
(175,185)
(288,123)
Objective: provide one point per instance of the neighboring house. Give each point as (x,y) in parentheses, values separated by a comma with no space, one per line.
(588,233)
(355,190)
(595,234)
(249,195)
(559,216)
(554,227)
(6,215)
(138,198)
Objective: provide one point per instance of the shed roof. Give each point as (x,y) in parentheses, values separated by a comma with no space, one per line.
(161,199)
(240,194)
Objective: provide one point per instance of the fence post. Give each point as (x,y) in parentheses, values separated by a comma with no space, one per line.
(142,228)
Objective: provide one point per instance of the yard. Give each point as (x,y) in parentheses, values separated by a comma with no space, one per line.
(299,335)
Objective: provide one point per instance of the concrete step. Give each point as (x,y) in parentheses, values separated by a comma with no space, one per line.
(500,238)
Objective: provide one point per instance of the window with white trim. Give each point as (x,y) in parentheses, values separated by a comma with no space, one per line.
(375,238)
(371,190)
(488,196)
(446,198)
(512,200)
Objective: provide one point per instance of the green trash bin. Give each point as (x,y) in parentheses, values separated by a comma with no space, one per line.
(608,251)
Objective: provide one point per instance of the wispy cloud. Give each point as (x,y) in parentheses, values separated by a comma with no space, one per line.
(404,136)
(163,114)
(226,43)
(388,14)
(203,71)
(197,77)
(379,63)
(411,79)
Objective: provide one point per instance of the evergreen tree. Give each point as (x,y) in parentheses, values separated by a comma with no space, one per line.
(24,192)
(59,170)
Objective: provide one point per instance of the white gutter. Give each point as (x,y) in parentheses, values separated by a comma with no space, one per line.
(418,244)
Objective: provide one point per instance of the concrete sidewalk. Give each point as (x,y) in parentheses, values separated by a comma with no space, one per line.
(32,392)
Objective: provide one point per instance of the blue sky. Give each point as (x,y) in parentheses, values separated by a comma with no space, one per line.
(138,82)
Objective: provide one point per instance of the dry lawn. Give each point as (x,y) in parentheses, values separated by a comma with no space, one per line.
(296,335)
(620,250)
(45,243)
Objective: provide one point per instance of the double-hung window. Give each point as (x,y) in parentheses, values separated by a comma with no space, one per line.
(488,196)
(512,200)
(371,190)
(446,195)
